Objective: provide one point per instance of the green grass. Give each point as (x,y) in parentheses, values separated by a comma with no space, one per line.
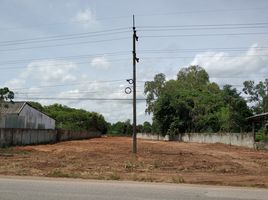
(178,179)
(10,151)
(114,176)
(61,174)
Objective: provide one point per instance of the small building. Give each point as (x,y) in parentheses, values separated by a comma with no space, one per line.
(23,115)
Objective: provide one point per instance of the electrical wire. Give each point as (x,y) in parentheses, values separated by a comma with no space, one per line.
(201,11)
(203,25)
(201,35)
(76,99)
(79,36)
(71,84)
(68,44)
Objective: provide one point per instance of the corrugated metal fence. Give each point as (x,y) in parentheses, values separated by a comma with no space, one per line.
(13,137)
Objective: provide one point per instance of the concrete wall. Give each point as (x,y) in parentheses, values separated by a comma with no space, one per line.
(237,139)
(150,136)
(13,137)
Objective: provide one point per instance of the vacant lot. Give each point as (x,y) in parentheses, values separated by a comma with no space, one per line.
(111,158)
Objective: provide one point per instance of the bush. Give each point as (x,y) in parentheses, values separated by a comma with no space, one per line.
(261,135)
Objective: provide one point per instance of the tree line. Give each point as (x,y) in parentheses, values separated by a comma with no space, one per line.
(191,103)
(73,119)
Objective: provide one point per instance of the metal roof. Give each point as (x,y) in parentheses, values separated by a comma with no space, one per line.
(259,117)
(11,107)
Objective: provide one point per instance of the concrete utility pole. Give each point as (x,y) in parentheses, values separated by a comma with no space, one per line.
(135,59)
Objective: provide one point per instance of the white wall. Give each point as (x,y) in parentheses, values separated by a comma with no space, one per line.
(150,136)
(236,139)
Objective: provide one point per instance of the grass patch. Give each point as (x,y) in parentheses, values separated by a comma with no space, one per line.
(178,179)
(61,174)
(10,151)
(114,176)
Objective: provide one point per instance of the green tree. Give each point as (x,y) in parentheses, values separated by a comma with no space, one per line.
(258,95)
(193,77)
(152,90)
(236,110)
(147,127)
(121,128)
(6,94)
(193,104)
(75,119)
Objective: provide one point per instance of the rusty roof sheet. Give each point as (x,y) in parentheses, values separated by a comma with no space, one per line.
(11,107)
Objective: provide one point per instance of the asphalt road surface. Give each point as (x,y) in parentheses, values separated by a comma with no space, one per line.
(27,188)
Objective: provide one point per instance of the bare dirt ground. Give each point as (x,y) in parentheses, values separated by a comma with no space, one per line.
(111,158)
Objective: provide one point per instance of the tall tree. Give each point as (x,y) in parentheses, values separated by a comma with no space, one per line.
(235,111)
(193,104)
(193,76)
(258,95)
(152,90)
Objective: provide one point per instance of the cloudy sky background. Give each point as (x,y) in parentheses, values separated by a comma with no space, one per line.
(82,49)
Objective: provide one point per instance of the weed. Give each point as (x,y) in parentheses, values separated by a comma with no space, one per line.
(142,165)
(157,164)
(58,173)
(178,179)
(114,176)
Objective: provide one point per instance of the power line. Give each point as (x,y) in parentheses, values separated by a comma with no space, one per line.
(201,11)
(74,93)
(205,25)
(58,64)
(70,84)
(94,99)
(56,38)
(205,49)
(200,28)
(77,22)
(82,56)
(200,35)
(139,15)
(68,44)
(206,56)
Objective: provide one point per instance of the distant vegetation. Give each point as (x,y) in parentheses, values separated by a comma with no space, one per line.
(73,119)
(126,128)
(190,103)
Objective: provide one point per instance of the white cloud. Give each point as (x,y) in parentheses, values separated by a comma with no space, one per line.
(15,83)
(100,62)
(86,18)
(50,71)
(53,72)
(112,110)
(224,68)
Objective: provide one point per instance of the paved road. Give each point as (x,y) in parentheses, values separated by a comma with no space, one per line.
(19,188)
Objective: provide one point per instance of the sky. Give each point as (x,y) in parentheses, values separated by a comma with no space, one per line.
(79,52)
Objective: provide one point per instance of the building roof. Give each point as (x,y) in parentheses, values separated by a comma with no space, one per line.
(259,117)
(11,107)
(16,108)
